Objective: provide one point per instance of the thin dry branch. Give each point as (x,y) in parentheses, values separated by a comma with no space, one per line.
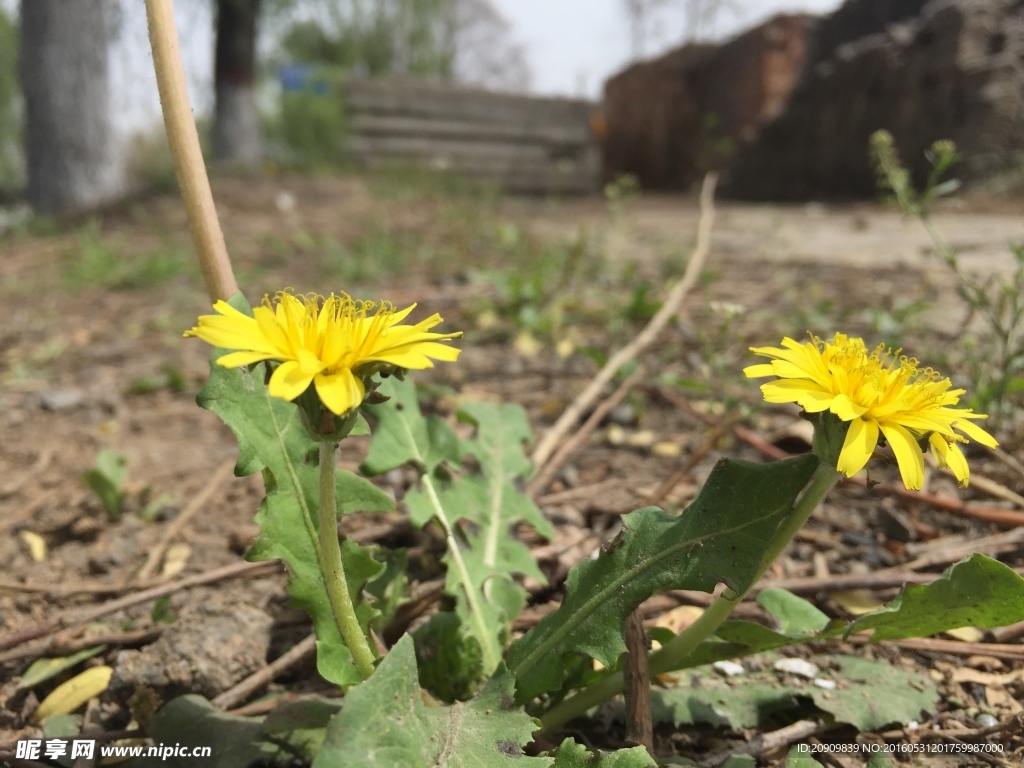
(263,677)
(156,554)
(545,475)
(250,570)
(546,447)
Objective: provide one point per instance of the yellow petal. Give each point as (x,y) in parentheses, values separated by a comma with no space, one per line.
(788,390)
(758,371)
(238,359)
(948,454)
(340,392)
(289,381)
(908,454)
(860,442)
(973,431)
(232,333)
(401,314)
(847,410)
(266,321)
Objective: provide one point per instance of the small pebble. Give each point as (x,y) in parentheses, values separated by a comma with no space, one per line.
(985,720)
(61,399)
(624,415)
(729,668)
(828,685)
(797,667)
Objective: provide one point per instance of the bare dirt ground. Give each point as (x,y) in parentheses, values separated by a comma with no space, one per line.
(92,356)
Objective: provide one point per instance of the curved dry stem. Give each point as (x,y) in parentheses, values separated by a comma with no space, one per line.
(546,447)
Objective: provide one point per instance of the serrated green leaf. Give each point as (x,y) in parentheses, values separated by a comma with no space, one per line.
(42,670)
(385,722)
(271,439)
(357,494)
(403,436)
(869,695)
(491,504)
(716,704)
(879,760)
(191,721)
(502,430)
(450,663)
(795,615)
(719,537)
(572,755)
(300,725)
(953,600)
(976,592)
(873,694)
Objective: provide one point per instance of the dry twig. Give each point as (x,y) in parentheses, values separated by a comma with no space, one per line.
(263,677)
(250,570)
(547,473)
(637,685)
(546,447)
(156,554)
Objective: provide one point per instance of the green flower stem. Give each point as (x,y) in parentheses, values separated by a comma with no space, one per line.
(489,647)
(334,570)
(674,653)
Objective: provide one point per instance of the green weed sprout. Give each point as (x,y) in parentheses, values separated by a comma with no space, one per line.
(107,481)
(995,354)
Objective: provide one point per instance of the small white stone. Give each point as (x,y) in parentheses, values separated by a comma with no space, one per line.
(797,667)
(826,684)
(729,668)
(985,720)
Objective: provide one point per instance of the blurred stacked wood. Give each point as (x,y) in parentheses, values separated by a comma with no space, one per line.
(520,144)
(671,119)
(922,69)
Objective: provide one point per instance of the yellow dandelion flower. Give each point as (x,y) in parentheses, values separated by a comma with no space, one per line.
(875,391)
(332,343)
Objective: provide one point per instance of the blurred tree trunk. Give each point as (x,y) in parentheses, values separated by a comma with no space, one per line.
(64,70)
(236,128)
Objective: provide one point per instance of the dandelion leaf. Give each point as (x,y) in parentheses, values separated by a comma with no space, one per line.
(190,721)
(572,755)
(385,721)
(868,695)
(404,436)
(976,592)
(483,507)
(720,537)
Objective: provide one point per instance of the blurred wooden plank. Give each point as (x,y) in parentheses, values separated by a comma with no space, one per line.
(572,133)
(518,143)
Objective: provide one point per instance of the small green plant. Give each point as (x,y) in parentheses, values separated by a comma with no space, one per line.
(107,481)
(168,378)
(101,262)
(995,354)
